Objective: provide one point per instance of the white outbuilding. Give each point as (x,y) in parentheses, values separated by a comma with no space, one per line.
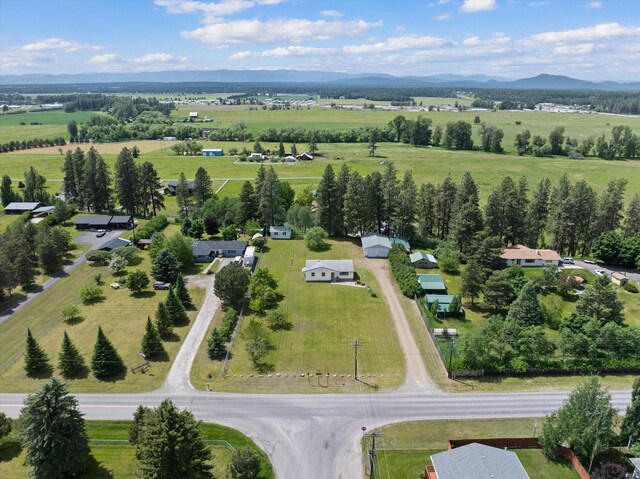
(249,256)
(376,245)
(280,232)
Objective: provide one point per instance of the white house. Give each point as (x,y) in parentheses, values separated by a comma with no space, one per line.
(420,259)
(280,232)
(328,270)
(528,257)
(249,256)
(376,246)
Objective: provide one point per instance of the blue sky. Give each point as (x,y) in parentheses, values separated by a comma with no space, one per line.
(592,40)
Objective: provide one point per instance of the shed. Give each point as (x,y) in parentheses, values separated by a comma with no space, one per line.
(280,232)
(249,256)
(402,241)
(44,210)
(92,222)
(304,157)
(144,243)
(420,259)
(619,278)
(193,114)
(19,207)
(212,152)
(432,283)
(375,245)
(328,270)
(477,461)
(115,243)
(444,304)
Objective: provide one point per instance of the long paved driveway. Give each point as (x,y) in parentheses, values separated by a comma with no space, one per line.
(85,238)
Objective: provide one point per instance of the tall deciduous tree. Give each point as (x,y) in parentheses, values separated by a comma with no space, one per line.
(169,445)
(126,181)
(105,361)
(53,433)
(232,283)
(70,361)
(6,192)
(36,360)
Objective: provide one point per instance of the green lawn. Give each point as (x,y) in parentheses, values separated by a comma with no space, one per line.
(54,124)
(405,448)
(111,452)
(326,318)
(121,315)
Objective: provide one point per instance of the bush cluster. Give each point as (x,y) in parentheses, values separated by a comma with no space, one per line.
(403,271)
(158,223)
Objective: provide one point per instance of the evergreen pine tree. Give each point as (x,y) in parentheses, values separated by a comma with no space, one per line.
(472,281)
(183,293)
(53,433)
(163,321)
(35,359)
(215,345)
(151,343)
(70,361)
(137,423)
(526,309)
(630,428)
(176,309)
(105,361)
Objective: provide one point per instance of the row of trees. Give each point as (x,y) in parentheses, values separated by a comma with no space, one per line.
(33,189)
(168,441)
(16,145)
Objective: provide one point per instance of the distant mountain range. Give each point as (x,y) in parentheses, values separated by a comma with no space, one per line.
(540,82)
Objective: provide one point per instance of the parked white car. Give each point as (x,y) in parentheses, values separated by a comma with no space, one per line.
(601,272)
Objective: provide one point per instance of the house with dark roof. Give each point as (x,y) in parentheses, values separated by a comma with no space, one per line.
(172,187)
(92,222)
(375,245)
(205,251)
(19,207)
(423,260)
(123,222)
(43,211)
(477,461)
(328,270)
(115,243)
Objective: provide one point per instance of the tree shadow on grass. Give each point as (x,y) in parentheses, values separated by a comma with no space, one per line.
(115,377)
(264,367)
(162,357)
(74,320)
(144,294)
(96,470)
(171,338)
(44,374)
(81,374)
(321,248)
(9,451)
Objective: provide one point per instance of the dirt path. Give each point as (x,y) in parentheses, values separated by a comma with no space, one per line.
(417,376)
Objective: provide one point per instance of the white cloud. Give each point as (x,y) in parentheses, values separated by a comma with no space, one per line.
(497,39)
(444,2)
(331,13)
(58,44)
(587,34)
(106,58)
(537,4)
(219,9)
(595,5)
(239,32)
(281,52)
(394,44)
(154,58)
(444,16)
(574,49)
(470,6)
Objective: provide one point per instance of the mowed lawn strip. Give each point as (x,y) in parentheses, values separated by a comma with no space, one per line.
(111,455)
(121,315)
(326,318)
(405,448)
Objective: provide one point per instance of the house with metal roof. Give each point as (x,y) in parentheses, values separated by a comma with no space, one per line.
(328,270)
(401,241)
(443,302)
(423,260)
(280,232)
(115,243)
(19,207)
(477,461)
(432,283)
(43,210)
(375,245)
(205,251)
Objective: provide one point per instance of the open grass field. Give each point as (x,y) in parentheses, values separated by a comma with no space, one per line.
(405,448)
(427,164)
(326,318)
(54,124)
(121,315)
(113,456)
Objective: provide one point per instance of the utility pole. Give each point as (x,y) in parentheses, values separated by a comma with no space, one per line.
(355,345)
(372,452)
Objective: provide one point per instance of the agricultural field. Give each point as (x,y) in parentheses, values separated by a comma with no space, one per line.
(121,316)
(113,456)
(54,124)
(326,318)
(427,164)
(405,448)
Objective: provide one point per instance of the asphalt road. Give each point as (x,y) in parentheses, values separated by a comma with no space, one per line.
(84,238)
(633,274)
(317,436)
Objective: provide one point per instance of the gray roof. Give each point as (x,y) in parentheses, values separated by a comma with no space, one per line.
(121,219)
(44,209)
(338,265)
(635,461)
(204,248)
(115,243)
(21,206)
(375,240)
(280,228)
(477,461)
(93,220)
(418,255)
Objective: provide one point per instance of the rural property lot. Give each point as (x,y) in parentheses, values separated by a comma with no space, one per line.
(326,318)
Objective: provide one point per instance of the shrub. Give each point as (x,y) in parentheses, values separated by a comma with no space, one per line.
(91,294)
(315,239)
(404,272)
(98,257)
(70,312)
(278,319)
(158,223)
